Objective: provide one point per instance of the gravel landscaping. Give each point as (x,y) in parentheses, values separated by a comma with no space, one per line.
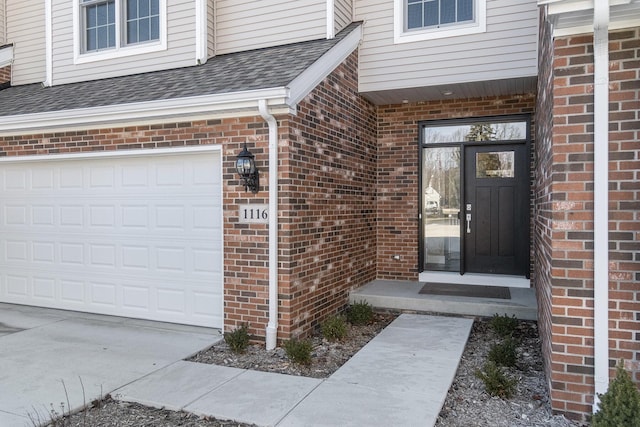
(467,403)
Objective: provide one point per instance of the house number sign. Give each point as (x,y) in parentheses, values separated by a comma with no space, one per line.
(253,214)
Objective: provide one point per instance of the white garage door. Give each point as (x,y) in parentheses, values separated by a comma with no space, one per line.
(134,235)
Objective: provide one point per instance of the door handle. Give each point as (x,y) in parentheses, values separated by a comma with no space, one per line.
(468,223)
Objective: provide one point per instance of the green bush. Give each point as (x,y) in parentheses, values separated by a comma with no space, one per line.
(504,353)
(620,405)
(334,328)
(299,351)
(496,382)
(238,339)
(360,313)
(504,325)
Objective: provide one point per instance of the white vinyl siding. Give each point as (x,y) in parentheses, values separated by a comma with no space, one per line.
(508,49)
(25,29)
(343,14)
(246,24)
(211,35)
(180,51)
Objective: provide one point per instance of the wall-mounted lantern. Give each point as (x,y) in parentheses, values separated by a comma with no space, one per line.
(246,167)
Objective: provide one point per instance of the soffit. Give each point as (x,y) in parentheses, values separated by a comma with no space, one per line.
(513,86)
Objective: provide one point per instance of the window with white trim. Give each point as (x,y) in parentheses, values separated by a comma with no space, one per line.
(111,28)
(417,20)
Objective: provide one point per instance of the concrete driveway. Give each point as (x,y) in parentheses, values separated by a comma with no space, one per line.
(50,358)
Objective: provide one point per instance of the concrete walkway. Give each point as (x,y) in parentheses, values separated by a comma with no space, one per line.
(401,378)
(53,357)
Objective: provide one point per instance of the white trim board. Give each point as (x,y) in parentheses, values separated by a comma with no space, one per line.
(232,104)
(475,279)
(319,70)
(211,148)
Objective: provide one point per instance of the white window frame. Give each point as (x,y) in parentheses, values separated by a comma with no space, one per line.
(121,49)
(401,35)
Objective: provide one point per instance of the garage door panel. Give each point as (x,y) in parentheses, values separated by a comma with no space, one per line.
(17,286)
(43,252)
(72,293)
(42,178)
(44,288)
(138,237)
(15,215)
(14,180)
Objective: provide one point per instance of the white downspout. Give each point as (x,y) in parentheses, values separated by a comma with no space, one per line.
(48,43)
(601,197)
(272,326)
(331,16)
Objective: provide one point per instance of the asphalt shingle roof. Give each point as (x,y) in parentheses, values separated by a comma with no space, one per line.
(242,71)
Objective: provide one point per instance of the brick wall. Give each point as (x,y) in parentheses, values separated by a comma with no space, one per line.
(565,194)
(327,198)
(398,172)
(5,75)
(543,192)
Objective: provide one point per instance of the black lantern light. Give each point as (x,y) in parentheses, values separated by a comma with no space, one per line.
(246,167)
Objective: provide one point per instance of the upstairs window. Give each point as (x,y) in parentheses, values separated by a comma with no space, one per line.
(416,20)
(436,13)
(111,28)
(100,24)
(143,20)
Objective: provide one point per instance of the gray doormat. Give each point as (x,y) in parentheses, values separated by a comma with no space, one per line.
(473,291)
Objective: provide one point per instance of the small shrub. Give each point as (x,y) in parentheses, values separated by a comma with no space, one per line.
(504,325)
(504,353)
(238,339)
(334,328)
(360,313)
(620,405)
(496,382)
(299,351)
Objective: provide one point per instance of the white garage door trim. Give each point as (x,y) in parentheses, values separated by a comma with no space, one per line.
(135,233)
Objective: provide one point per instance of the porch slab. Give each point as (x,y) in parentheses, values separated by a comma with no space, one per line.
(405,296)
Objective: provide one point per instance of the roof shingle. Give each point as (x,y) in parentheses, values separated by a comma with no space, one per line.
(250,70)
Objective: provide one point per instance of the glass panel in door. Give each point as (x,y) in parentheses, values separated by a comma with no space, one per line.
(441,208)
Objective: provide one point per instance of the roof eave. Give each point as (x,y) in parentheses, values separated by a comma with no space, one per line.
(304,83)
(235,104)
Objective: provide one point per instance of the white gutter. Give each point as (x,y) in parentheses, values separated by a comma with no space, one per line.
(601,198)
(272,325)
(230,104)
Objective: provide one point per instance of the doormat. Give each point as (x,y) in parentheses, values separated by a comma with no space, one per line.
(473,291)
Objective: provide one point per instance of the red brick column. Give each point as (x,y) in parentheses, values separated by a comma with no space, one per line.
(565,200)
